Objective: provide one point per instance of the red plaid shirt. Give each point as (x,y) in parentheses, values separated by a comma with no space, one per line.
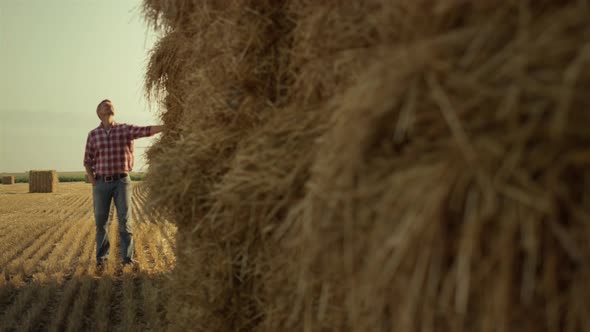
(111,152)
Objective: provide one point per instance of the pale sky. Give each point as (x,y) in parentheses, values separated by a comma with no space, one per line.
(58,60)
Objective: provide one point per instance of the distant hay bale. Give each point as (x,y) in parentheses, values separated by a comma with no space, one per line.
(43,181)
(8,179)
(375,165)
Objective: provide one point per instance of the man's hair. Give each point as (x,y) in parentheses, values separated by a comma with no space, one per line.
(104,100)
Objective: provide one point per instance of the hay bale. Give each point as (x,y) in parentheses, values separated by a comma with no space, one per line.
(8,179)
(43,181)
(451,152)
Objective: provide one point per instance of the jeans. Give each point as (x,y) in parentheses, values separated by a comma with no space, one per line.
(102,193)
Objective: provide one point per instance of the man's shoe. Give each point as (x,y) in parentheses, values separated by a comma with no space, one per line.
(133,264)
(101,264)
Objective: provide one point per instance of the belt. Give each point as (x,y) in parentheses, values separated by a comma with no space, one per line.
(111,178)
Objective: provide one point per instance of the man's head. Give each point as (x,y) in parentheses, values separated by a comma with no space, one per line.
(105,110)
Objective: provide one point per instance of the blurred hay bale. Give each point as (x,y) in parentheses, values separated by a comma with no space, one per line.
(8,179)
(451,191)
(43,181)
(389,166)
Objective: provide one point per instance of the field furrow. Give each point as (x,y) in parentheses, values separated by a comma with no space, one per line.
(32,318)
(20,243)
(150,300)
(84,298)
(73,286)
(8,225)
(105,298)
(67,250)
(21,229)
(136,212)
(23,300)
(128,309)
(140,256)
(26,261)
(51,250)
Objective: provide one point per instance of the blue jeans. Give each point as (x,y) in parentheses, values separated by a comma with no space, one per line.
(102,193)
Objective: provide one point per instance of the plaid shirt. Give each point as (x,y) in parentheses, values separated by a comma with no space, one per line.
(111,152)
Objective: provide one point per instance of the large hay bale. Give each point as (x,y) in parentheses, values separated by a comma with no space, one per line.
(8,179)
(43,181)
(389,166)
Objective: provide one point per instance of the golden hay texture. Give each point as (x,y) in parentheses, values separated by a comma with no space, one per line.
(375,166)
(8,179)
(210,108)
(43,181)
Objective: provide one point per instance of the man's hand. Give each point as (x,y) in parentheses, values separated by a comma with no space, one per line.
(155,129)
(90,175)
(91,178)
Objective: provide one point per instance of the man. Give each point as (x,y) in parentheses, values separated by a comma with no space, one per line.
(108,159)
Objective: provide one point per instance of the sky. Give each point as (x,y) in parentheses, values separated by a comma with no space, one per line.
(58,60)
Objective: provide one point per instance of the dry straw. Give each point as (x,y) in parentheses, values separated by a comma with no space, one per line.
(43,181)
(8,179)
(375,166)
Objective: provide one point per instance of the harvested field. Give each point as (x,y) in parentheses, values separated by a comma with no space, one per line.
(48,279)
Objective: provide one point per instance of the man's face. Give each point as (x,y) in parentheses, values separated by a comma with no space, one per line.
(106,110)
